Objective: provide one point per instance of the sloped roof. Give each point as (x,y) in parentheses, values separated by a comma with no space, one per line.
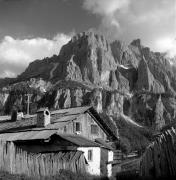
(30,121)
(28,135)
(79,140)
(105,123)
(76,140)
(25,123)
(30,124)
(55,120)
(58,118)
(72,111)
(103,143)
(42,109)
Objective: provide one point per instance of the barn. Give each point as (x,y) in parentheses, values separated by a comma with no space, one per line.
(75,139)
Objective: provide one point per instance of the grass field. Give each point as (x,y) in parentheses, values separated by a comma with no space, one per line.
(63,175)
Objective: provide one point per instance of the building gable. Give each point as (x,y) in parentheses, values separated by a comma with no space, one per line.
(67,121)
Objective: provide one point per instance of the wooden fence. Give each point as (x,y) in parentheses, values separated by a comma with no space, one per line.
(17,161)
(159,159)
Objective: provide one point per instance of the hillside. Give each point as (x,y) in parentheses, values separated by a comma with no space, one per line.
(117,79)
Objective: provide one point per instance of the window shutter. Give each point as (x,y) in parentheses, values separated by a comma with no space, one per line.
(77,126)
(90,155)
(94,129)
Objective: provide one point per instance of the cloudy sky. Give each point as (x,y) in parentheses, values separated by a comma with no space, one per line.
(34,29)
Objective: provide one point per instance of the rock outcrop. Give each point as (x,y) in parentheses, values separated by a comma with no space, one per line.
(146,80)
(123,54)
(158,118)
(87,57)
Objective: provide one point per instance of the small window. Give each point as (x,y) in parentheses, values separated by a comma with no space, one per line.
(90,155)
(77,126)
(47,113)
(94,129)
(65,129)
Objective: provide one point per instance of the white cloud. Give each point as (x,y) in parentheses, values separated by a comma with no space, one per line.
(16,54)
(107,10)
(130,19)
(167,44)
(104,7)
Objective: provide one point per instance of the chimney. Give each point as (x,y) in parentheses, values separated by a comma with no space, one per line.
(43,117)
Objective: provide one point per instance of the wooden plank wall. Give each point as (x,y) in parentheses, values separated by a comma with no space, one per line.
(16,161)
(159,159)
(86,120)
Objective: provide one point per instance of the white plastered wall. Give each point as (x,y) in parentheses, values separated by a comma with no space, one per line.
(94,165)
(109,165)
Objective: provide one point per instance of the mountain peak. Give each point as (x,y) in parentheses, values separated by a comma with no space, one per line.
(92,56)
(136,42)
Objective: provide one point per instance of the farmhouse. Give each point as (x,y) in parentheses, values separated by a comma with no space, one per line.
(76,139)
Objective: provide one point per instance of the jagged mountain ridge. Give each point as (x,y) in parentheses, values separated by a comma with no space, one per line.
(90,58)
(115,78)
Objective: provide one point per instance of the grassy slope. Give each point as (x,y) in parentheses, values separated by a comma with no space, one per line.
(132,137)
(137,138)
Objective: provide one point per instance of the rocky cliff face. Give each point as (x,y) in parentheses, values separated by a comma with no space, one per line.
(114,77)
(87,57)
(146,80)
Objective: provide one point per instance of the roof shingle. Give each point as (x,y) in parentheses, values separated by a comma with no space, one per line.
(59,118)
